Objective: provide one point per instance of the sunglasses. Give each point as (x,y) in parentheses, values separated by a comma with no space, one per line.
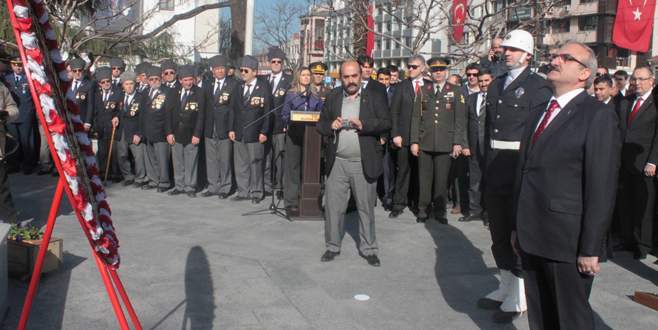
(76,70)
(566,58)
(169,72)
(276,61)
(245,70)
(471,75)
(413,66)
(105,81)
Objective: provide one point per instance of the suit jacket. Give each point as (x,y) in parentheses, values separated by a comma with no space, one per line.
(567,181)
(186,119)
(130,116)
(640,141)
(157,109)
(278,97)
(439,119)
(402,105)
(507,112)
(100,113)
(476,125)
(244,112)
(218,108)
(20,91)
(376,120)
(82,96)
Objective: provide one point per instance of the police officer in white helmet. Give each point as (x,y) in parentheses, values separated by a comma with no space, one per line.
(510,99)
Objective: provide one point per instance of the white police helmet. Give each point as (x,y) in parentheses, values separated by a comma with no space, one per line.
(519,39)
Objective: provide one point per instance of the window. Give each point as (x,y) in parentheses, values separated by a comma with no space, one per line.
(560,26)
(166,4)
(588,23)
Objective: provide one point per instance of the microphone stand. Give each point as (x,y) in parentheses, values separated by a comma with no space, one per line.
(273,208)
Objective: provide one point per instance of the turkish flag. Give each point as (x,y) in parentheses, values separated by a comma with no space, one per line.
(634,24)
(459,8)
(370,35)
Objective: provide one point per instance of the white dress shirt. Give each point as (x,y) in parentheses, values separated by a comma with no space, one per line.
(277,78)
(644,97)
(481,96)
(512,75)
(562,101)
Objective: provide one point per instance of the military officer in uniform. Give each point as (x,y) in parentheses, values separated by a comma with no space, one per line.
(437,135)
(279,84)
(184,129)
(24,127)
(219,149)
(510,99)
(129,138)
(318,70)
(102,114)
(169,79)
(248,103)
(118,67)
(158,105)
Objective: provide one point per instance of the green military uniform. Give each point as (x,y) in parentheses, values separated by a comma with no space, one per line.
(438,123)
(320,90)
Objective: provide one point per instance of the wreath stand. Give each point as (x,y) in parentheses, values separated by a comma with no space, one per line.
(109,275)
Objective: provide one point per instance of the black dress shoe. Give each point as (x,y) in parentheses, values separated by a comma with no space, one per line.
(148,187)
(239,198)
(328,256)
(486,303)
(279,194)
(191,194)
(174,192)
(292,211)
(639,255)
(162,189)
(44,172)
(207,194)
(506,317)
(256,200)
(421,219)
(373,260)
(473,217)
(222,195)
(394,214)
(138,184)
(128,182)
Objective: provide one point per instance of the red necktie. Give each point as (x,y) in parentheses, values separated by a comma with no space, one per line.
(544,122)
(417,87)
(636,109)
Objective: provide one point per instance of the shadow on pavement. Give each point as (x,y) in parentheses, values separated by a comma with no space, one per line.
(199,292)
(636,267)
(462,274)
(48,305)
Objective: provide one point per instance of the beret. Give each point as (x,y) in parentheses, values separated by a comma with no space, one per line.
(275,52)
(218,60)
(117,62)
(153,71)
(103,73)
(128,76)
(168,65)
(77,63)
(141,68)
(249,61)
(186,71)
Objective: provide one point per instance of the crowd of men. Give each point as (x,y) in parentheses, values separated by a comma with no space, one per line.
(538,155)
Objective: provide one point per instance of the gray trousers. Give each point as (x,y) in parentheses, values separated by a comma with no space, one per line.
(277,146)
(186,165)
(45,160)
(158,156)
(218,165)
(348,176)
(249,169)
(125,147)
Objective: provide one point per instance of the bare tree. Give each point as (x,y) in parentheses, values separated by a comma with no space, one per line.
(275,26)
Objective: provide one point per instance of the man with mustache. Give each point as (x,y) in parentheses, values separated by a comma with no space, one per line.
(353,119)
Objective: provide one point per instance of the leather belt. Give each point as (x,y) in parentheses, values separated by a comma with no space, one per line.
(505,145)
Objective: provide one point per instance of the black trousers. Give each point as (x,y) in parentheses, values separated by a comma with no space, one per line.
(25,135)
(458,184)
(637,196)
(557,294)
(293,165)
(499,209)
(474,185)
(407,171)
(386,182)
(7,209)
(433,171)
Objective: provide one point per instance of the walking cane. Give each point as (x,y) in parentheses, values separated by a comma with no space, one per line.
(109,154)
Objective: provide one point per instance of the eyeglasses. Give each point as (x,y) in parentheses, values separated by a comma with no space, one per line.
(566,58)
(276,61)
(642,78)
(169,72)
(413,66)
(105,81)
(245,70)
(153,78)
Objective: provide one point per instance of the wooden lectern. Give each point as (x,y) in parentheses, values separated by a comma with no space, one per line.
(310,203)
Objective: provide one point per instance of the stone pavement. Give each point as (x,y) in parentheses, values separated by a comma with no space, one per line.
(199,264)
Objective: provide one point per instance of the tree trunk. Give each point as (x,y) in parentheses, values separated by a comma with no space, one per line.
(238,25)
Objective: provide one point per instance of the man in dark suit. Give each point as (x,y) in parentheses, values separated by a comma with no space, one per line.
(279,85)
(102,114)
(353,120)
(23,128)
(437,135)
(638,118)
(386,183)
(129,138)
(159,105)
(401,107)
(219,149)
(510,99)
(476,105)
(249,102)
(565,193)
(184,129)
(118,66)
(169,77)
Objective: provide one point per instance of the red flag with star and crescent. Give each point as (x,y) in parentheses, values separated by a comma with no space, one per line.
(459,8)
(634,24)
